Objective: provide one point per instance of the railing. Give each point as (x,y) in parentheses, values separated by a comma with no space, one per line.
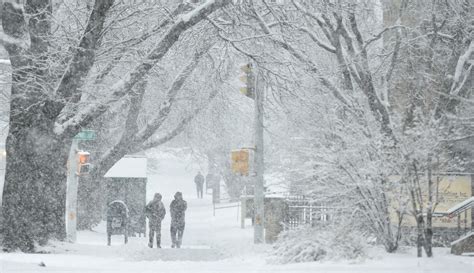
(458,210)
(303,211)
(226,203)
(461,207)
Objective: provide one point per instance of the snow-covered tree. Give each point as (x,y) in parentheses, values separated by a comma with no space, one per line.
(53,96)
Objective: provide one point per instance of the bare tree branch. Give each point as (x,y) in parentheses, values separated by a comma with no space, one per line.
(125,86)
(178,129)
(84,56)
(133,138)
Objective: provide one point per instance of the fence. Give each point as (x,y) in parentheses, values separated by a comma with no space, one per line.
(303,211)
(226,203)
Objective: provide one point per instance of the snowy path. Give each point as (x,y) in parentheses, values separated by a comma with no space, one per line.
(210,244)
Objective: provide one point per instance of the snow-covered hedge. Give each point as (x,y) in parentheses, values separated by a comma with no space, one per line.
(317,244)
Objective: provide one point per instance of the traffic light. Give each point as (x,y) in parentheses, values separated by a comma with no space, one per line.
(248,79)
(83,165)
(240,161)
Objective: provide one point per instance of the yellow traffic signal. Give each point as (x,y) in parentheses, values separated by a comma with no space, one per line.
(240,161)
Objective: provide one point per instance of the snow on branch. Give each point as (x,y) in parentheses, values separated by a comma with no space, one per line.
(15,34)
(178,129)
(84,57)
(313,68)
(208,5)
(125,86)
(133,42)
(10,40)
(380,34)
(320,43)
(459,72)
(131,139)
(167,104)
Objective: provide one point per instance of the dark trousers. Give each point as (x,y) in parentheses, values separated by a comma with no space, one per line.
(177,235)
(199,190)
(155,228)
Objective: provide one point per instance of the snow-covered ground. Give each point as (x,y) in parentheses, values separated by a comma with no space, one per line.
(210,244)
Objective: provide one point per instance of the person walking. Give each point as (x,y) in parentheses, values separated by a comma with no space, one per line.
(199,181)
(177,210)
(155,211)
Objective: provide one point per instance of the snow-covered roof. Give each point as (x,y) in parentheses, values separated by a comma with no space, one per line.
(129,166)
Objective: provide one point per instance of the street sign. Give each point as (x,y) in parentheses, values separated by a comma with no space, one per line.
(85,135)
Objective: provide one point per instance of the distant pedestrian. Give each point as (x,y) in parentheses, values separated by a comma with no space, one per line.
(199,181)
(177,210)
(155,211)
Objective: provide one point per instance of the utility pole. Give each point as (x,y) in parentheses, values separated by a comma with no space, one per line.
(255,91)
(259,163)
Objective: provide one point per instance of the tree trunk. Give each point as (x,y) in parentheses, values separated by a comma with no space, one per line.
(33,204)
(429,235)
(429,214)
(419,235)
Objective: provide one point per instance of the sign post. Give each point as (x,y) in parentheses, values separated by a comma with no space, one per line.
(72,184)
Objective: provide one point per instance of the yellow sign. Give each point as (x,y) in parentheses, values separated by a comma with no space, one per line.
(240,161)
(451,190)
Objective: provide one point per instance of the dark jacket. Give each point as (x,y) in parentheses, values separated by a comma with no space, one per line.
(199,180)
(177,210)
(155,211)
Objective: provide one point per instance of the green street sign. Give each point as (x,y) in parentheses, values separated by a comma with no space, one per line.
(85,135)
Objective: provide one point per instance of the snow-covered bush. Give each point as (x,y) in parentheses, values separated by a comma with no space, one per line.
(310,244)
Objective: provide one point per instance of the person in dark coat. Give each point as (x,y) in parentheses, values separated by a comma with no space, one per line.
(199,181)
(155,211)
(177,209)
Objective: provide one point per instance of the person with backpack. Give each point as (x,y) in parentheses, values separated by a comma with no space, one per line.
(155,211)
(177,210)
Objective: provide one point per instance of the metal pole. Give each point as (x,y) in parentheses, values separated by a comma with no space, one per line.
(243,210)
(259,164)
(238,210)
(71,193)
